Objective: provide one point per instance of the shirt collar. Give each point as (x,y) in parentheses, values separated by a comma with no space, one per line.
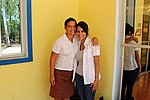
(66,38)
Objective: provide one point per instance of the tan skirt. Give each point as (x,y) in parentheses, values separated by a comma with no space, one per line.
(63,84)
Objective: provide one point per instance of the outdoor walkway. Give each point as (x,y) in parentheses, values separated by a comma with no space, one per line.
(13,49)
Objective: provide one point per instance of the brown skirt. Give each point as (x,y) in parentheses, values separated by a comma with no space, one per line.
(63,84)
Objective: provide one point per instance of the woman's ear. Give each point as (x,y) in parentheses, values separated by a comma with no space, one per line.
(64,27)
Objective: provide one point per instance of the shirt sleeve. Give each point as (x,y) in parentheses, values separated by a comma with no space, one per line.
(96,50)
(134,43)
(56,46)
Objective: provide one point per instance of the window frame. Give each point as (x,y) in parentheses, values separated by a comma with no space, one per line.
(27,46)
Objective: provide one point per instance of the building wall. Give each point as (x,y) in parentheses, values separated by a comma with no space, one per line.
(30,81)
(100,15)
(139,17)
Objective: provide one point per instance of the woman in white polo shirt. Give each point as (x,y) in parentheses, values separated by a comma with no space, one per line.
(86,70)
(62,61)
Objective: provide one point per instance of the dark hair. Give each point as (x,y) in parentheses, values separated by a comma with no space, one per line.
(84,26)
(68,20)
(129,29)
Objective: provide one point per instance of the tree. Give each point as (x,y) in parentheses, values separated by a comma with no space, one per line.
(10,20)
(5,24)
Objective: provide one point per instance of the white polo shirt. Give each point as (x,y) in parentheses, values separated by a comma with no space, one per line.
(129,57)
(88,62)
(66,51)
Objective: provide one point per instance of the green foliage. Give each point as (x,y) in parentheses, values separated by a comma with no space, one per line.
(0,12)
(12,8)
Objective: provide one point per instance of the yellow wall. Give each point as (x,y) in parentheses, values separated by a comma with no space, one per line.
(100,15)
(30,81)
(139,19)
(139,16)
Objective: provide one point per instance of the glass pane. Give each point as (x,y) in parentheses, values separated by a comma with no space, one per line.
(130,11)
(16,46)
(145,55)
(145,59)
(138,16)
(10,26)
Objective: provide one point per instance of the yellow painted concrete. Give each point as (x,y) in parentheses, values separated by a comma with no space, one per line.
(100,15)
(139,17)
(30,81)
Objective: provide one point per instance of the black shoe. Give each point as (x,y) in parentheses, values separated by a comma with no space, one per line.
(129,98)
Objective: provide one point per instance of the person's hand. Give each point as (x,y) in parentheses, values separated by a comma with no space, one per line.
(140,70)
(52,80)
(94,41)
(135,39)
(94,85)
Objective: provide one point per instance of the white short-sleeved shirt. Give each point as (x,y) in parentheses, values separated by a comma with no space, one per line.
(66,51)
(129,57)
(88,62)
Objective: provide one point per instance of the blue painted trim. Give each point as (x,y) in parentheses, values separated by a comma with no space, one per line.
(29,30)
(29,23)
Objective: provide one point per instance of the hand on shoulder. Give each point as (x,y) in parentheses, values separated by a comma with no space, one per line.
(94,41)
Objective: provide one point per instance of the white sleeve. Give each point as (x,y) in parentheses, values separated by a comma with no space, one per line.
(96,50)
(57,46)
(134,43)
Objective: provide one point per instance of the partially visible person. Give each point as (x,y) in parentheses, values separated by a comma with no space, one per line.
(131,68)
(86,70)
(62,60)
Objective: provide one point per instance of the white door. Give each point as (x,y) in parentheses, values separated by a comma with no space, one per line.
(135,12)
